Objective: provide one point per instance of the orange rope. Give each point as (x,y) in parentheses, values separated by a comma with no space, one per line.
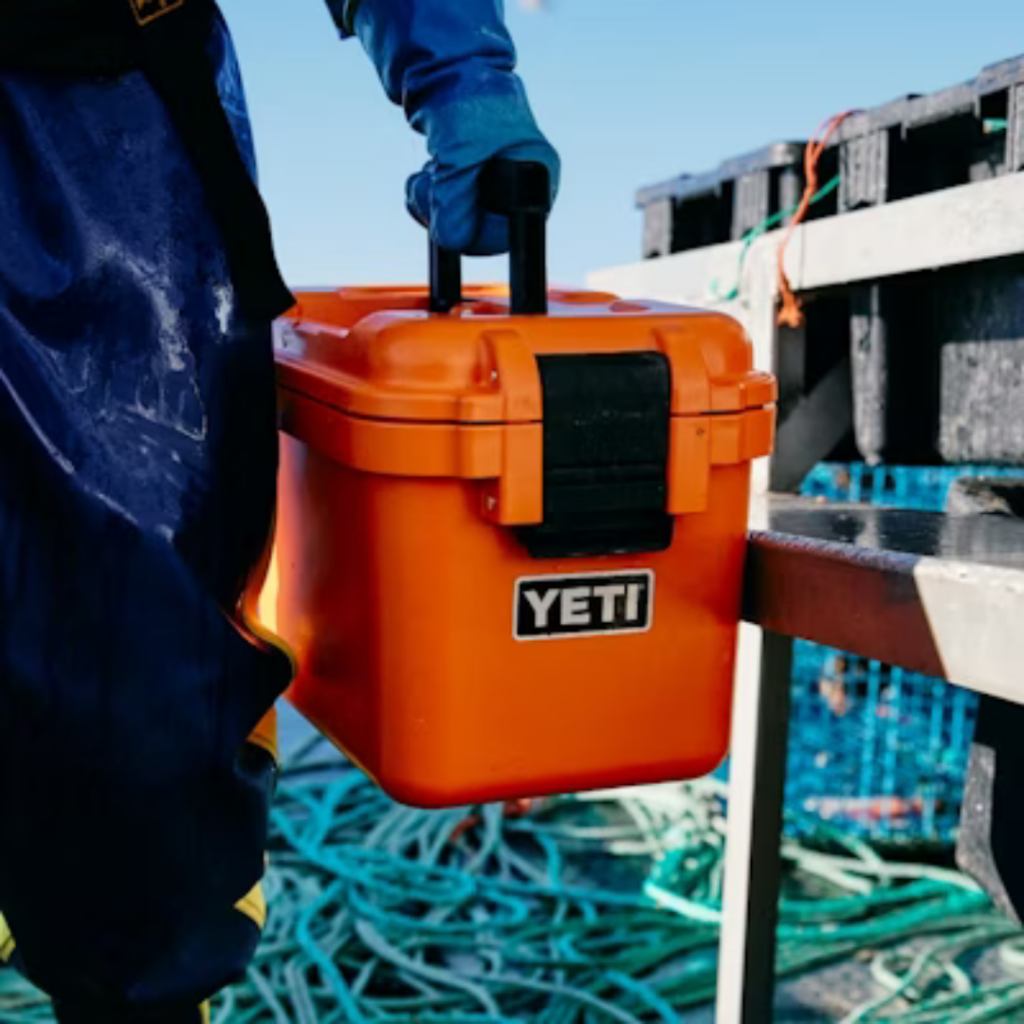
(791,313)
(513,809)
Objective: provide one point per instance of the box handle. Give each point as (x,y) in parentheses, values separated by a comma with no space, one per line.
(521,191)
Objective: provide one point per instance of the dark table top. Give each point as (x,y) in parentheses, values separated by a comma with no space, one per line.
(938,594)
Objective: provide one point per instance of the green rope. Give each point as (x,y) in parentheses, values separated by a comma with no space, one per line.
(591,909)
(763,228)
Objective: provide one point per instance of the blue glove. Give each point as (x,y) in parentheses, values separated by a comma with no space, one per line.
(451,65)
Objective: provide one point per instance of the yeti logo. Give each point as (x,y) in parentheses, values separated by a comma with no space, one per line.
(149,10)
(549,607)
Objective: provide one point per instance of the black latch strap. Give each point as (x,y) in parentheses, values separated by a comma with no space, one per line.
(606,443)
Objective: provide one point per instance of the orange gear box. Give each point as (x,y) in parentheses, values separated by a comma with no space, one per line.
(510,548)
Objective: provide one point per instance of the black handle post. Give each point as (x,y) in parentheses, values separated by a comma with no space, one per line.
(528,271)
(445,279)
(520,191)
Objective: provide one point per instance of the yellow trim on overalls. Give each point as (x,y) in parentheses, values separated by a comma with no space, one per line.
(254,906)
(146,11)
(265,734)
(6,941)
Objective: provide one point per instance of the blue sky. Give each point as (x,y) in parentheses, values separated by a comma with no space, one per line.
(630,91)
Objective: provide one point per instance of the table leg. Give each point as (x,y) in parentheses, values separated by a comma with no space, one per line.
(757,775)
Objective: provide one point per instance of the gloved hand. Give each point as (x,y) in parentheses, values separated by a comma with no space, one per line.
(462,136)
(451,65)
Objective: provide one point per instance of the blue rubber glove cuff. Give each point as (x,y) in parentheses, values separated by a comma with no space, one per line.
(450,64)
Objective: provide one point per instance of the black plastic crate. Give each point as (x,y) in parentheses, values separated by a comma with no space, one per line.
(938,365)
(910,146)
(967,133)
(936,359)
(693,211)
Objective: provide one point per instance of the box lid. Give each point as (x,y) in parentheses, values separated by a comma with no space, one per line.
(378,353)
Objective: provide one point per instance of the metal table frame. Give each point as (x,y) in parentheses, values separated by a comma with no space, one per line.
(935,594)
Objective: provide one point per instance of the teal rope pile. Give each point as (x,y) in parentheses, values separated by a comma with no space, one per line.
(588,909)
(914,923)
(20,1002)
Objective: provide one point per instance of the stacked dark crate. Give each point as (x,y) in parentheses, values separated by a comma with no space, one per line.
(937,359)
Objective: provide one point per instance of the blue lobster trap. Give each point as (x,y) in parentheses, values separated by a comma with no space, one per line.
(875,750)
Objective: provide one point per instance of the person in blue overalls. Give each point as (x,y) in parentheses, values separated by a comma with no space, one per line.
(138,461)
